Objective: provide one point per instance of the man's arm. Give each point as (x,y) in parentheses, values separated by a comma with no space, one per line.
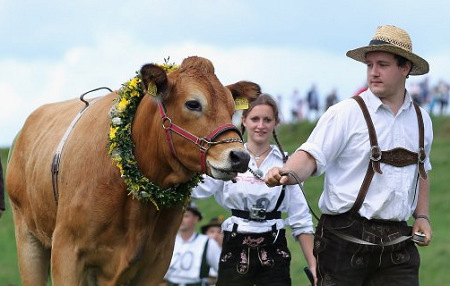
(301,163)
(306,241)
(421,214)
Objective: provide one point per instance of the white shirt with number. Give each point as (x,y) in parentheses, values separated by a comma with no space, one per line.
(187,258)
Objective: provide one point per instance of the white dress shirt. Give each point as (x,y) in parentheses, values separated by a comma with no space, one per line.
(340,144)
(249,190)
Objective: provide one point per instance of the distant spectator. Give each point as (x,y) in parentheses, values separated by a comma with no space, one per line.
(194,254)
(331,99)
(414,90)
(296,107)
(443,91)
(213,229)
(361,89)
(424,91)
(313,103)
(433,98)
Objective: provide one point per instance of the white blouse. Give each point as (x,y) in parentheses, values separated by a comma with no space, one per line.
(250,190)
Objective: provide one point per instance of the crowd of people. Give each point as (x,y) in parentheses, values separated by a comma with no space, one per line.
(434,99)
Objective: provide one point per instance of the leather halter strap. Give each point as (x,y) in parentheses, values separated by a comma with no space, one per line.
(203,143)
(398,157)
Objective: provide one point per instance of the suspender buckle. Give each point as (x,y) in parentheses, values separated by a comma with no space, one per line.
(421,156)
(375,153)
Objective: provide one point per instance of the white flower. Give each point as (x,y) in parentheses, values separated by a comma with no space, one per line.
(115,154)
(113,112)
(116,121)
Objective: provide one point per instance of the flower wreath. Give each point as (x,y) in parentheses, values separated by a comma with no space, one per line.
(121,148)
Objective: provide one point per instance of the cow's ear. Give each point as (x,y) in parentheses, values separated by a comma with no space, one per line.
(244,89)
(154,79)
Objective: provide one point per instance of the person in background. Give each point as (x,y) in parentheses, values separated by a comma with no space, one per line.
(2,190)
(193,254)
(374,151)
(254,250)
(213,229)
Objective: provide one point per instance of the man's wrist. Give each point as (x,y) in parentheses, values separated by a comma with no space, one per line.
(422,216)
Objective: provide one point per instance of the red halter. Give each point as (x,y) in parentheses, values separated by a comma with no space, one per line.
(203,143)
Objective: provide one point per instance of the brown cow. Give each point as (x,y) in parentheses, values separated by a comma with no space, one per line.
(96,233)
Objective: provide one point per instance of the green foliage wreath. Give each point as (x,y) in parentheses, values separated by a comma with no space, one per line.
(121,148)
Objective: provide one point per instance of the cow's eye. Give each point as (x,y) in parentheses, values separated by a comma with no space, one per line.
(193,105)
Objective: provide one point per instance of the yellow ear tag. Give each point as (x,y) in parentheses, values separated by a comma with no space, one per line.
(241,103)
(152,90)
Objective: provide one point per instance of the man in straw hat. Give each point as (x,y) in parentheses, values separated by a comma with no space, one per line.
(374,150)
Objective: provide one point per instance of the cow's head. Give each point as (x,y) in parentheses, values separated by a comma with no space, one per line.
(195,100)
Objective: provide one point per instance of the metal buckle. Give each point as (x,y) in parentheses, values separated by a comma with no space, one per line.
(257,213)
(375,153)
(421,156)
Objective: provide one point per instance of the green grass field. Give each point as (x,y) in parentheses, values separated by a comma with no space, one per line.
(433,270)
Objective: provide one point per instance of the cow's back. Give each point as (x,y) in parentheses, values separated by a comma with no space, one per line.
(29,177)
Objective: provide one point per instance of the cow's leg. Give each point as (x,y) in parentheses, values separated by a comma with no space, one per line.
(33,257)
(66,267)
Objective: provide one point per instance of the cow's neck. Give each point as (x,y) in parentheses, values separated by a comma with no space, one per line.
(151,148)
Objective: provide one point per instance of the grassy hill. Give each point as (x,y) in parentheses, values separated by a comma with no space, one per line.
(434,257)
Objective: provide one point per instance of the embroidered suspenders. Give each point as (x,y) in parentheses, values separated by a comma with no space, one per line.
(398,157)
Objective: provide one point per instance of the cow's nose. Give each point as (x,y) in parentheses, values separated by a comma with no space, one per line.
(239,161)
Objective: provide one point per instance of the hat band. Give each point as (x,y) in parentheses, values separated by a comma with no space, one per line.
(378,42)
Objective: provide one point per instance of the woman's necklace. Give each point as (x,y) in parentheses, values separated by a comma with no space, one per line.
(258,157)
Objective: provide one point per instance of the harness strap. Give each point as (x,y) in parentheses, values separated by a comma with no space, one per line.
(398,157)
(58,153)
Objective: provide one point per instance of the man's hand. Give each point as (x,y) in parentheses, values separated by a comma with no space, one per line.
(422,225)
(274,177)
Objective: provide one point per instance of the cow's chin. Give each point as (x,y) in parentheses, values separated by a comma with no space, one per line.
(222,174)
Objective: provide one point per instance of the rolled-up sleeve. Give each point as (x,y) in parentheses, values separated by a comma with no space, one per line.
(299,218)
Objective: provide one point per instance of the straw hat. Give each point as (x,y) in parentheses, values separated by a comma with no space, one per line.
(393,40)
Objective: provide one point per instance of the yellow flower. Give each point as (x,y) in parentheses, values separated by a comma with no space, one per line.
(133,83)
(119,165)
(112,132)
(134,93)
(122,105)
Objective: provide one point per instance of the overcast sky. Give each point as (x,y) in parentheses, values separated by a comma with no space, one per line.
(56,50)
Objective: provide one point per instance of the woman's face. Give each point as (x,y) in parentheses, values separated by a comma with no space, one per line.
(260,123)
